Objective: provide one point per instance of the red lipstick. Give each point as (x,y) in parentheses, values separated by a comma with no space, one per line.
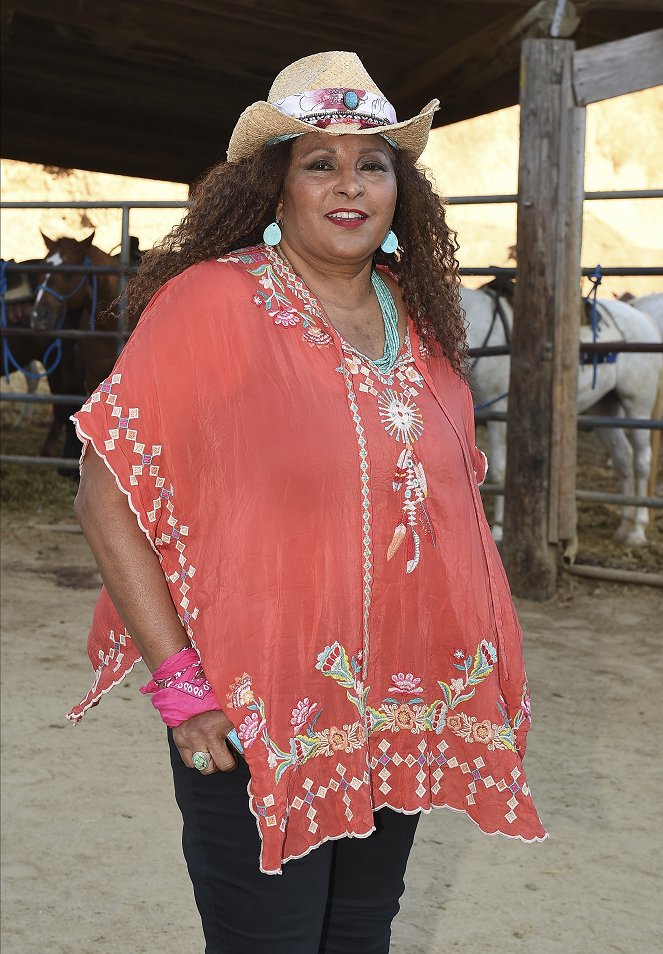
(347,218)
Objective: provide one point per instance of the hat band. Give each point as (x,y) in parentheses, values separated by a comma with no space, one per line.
(327,107)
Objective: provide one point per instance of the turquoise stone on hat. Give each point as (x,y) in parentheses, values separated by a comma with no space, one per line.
(350,99)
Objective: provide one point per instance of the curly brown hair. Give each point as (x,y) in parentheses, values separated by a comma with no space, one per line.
(231,205)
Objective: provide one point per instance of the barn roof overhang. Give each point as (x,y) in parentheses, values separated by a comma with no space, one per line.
(153,87)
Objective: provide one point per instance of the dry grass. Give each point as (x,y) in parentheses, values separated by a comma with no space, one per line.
(597,523)
(31,493)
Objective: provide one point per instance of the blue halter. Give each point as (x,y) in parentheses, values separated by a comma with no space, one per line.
(54,350)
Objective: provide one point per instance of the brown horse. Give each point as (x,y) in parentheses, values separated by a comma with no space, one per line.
(61,296)
(75,300)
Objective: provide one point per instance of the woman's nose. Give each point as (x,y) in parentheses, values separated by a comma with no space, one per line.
(348,183)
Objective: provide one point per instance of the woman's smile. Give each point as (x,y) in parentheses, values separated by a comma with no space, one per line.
(347,218)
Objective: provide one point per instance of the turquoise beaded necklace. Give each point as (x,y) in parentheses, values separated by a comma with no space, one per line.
(392,341)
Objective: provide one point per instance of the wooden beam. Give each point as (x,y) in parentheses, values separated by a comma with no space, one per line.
(631,6)
(541,416)
(498,44)
(614,69)
(567,308)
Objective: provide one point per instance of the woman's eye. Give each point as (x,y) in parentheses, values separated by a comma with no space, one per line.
(320,165)
(373,167)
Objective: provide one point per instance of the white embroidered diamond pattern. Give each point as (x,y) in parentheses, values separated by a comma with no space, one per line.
(173,529)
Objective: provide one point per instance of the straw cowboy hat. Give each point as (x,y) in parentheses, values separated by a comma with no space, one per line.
(331,93)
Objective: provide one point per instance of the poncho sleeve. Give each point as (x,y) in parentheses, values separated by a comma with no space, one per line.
(144,421)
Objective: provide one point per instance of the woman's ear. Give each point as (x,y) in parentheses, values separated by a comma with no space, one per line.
(279,210)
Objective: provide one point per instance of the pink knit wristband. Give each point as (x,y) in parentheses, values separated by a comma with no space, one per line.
(179,689)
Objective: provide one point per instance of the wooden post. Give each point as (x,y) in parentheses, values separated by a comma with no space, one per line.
(541,441)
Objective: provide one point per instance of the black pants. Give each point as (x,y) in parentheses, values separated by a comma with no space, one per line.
(339,899)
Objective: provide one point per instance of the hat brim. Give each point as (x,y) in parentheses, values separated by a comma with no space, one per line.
(261,122)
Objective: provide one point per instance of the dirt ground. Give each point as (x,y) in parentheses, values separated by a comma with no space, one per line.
(92,859)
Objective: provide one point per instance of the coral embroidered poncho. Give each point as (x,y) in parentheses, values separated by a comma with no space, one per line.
(321,531)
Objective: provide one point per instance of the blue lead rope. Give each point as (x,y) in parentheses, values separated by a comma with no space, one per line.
(480,407)
(9,362)
(54,350)
(595,278)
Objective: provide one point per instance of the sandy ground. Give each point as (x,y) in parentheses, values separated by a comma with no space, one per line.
(91,833)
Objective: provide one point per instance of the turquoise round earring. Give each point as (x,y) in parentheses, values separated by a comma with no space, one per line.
(272,234)
(389,243)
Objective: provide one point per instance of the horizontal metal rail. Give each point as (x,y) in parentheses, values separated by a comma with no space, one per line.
(616,576)
(597,496)
(70,463)
(61,333)
(489,350)
(72,399)
(497,198)
(589,197)
(479,271)
(586,421)
(44,266)
(613,347)
(607,272)
(590,496)
(117,204)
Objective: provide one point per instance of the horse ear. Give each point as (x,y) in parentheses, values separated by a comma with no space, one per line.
(50,244)
(86,243)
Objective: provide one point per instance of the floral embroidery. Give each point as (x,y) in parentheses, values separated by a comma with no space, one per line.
(274,298)
(393,715)
(287,317)
(240,692)
(302,713)
(406,682)
(274,276)
(316,337)
(491,735)
(340,740)
(404,717)
(250,729)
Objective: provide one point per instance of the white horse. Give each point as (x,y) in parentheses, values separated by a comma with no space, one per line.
(625,388)
(652,305)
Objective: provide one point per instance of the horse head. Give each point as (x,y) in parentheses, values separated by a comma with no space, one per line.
(58,293)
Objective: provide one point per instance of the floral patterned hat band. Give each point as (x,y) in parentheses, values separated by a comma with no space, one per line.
(324,107)
(333,93)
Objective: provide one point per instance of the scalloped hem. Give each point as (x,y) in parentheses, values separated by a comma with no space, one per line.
(95,696)
(366,834)
(86,440)
(90,701)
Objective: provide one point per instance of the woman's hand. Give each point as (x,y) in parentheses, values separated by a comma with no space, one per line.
(206,732)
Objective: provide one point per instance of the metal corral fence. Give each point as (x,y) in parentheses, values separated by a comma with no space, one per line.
(124,268)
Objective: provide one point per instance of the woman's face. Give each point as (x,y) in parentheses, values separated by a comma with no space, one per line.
(339,197)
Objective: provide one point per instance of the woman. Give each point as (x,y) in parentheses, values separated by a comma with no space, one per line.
(281,473)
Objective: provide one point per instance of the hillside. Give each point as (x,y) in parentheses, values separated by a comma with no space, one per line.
(480,156)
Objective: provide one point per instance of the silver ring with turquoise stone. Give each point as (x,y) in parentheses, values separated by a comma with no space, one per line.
(202,761)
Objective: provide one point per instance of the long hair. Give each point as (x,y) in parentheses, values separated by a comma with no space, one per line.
(232,204)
